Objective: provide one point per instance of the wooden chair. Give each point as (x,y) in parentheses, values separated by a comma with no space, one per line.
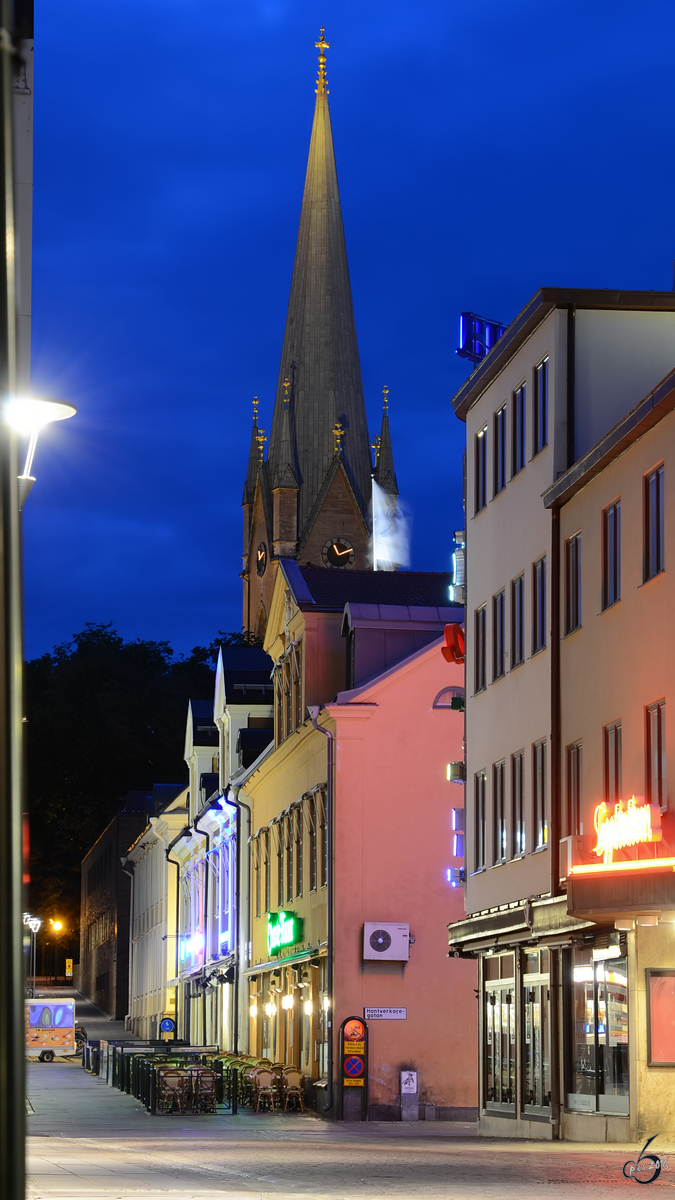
(265,1089)
(173,1088)
(294,1087)
(203,1081)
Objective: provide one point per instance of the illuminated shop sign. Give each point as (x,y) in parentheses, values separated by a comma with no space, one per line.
(283,929)
(630,826)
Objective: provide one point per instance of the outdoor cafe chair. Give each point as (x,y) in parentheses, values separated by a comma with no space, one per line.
(265,1091)
(294,1090)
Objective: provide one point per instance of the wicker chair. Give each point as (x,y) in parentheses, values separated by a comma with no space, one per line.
(173,1087)
(203,1089)
(294,1089)
(264,1083)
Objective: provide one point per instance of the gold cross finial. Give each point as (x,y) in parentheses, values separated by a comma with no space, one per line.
(286,385)
(261,439)
(376,447)
(322,45)
(339,433)
(385,393)
(256,402)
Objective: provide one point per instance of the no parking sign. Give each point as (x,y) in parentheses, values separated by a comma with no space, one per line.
(354,1068)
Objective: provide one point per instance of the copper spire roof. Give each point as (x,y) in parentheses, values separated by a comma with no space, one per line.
(320,352)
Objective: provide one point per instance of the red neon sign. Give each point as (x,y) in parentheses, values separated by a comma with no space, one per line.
(634,825)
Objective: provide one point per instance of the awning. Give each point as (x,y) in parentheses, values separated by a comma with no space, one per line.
(301,956)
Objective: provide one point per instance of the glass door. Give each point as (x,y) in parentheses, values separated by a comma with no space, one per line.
(536,1031)
(500,1033)
(599,1067)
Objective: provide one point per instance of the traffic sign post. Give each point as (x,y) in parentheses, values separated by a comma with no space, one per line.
(354,1069)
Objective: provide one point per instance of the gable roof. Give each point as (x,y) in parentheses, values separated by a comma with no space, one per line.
(329,589)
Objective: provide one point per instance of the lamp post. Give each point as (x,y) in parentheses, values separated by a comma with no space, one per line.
(27,415)
(33,924)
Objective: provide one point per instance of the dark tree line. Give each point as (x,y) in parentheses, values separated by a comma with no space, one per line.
(104,716)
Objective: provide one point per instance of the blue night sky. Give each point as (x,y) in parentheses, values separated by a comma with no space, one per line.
(482,151)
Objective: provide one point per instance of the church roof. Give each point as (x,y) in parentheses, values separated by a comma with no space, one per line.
(320,355)
(324,587)
(385,474)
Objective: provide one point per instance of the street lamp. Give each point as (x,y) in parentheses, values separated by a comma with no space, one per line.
(33,924)
(27,415)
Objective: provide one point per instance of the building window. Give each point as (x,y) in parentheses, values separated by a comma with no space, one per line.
(656,754)
(518,430)
(312,844)
(498,813)
(298,852)
(480,817)
(536,1030)
(479,663)
(279,832)
(324,838)
(499,1044)
(481,468)
(517,621)
(539,605)
(573,583)
(500,449)
(289,856)
(540,408)
(611,554)
(613,769)
(654,523)
(539,794)
(266,865)
(256,868)
(518,802)
(599,1019)
(574,809)
(498,634)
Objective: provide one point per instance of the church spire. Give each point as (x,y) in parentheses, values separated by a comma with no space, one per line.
(320,352)
(253,457)
(385,474)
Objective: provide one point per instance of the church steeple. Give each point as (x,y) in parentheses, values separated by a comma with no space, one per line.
(385,474)
(253,459)
(320,352)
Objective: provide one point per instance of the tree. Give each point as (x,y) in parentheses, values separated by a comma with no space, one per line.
(104,717)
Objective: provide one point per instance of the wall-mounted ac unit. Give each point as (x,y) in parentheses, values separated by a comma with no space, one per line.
(386,940)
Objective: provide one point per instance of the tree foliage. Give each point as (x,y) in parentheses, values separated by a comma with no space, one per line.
(104,716)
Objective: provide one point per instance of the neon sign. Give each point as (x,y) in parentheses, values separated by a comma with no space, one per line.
(633,825)
(283,929)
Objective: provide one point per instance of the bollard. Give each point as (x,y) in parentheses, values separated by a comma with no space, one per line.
(235,1098)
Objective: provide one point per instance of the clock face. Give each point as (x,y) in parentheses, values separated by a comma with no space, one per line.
(338,552)
(261,559)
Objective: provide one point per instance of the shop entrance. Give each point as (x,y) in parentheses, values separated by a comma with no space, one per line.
(536,1031)
(500,1028)
(599,1066)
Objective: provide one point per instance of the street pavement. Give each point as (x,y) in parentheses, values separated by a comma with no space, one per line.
(90,1142)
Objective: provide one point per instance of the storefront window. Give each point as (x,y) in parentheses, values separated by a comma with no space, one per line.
(500,1032)
(599,1068)
(536,1031)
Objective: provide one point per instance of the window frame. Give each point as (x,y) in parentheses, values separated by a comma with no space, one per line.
(539,796)
(573,583)
(517,620)
(499,478)
(518,828)
(656,709)
(654,523)
(539,604)
(480,652)
(611,554)
(480,462)
(499,823)
(518,429)
(540,407)
(574,764)
(480,821)
(499,635)
(612,761)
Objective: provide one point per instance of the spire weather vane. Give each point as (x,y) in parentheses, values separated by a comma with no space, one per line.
(261,439)
(286,385)
(385,393)
(376,445)
(338,430)
(322,45)
(256,402)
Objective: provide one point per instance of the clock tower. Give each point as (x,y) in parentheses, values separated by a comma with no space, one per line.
(309,498)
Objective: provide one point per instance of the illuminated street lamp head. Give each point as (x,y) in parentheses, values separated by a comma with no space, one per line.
(56,925)
(27,415)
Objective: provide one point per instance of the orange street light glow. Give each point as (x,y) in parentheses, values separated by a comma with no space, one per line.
(57,925)
(612,868)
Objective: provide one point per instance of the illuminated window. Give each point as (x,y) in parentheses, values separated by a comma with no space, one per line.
(312,843)
(540,821)
(574,810)
(654,523)
(500,450)
(518,424)
(611,550)
(298,816)
(498,634)
(480,649)
(481,468)
(267,867)
(324,837)
(656,754)
(289,856)
(613,763)
(573,583)
(480,822)
(279,834)
(498,813)
(256,868)
(598,1071)
(517,621)
(539,605)
(540,408)
(518,802)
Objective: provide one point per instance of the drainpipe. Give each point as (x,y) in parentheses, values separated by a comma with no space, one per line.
(314,710)
(204,834)
(185,832)
(128,869)
(233,798)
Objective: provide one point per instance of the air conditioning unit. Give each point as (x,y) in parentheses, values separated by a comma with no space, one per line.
(386,940)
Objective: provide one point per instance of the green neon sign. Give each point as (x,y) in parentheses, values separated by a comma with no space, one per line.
(283,929)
